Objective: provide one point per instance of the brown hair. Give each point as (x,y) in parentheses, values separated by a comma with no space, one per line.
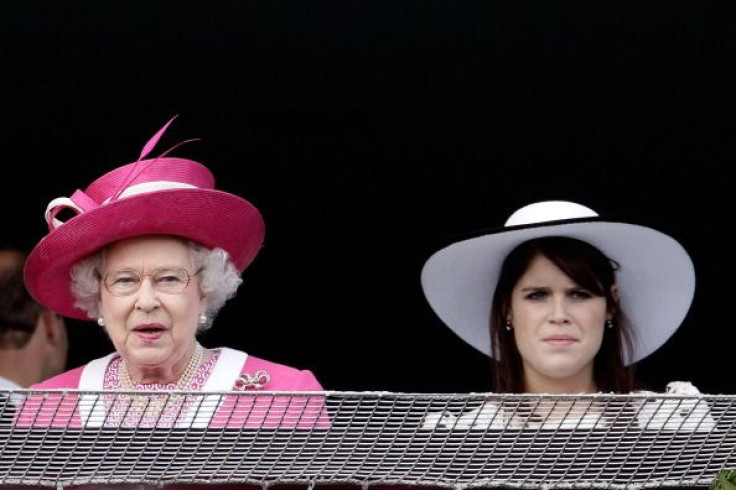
(18,311)
(592,270)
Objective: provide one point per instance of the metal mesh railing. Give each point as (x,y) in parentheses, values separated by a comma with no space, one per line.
(68,437)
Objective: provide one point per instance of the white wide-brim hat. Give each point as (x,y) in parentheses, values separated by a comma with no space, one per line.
(656,277)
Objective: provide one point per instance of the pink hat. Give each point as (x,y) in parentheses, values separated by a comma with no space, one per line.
(164,195)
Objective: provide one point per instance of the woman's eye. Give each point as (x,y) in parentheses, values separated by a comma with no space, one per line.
(536,295)
(169,279)
(124,281)
(581,294)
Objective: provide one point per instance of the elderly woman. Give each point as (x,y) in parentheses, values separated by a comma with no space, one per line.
(152,254)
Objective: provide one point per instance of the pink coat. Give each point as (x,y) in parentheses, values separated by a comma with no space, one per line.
(233,371)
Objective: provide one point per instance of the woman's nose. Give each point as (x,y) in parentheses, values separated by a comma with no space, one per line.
(147,295)
(559,312)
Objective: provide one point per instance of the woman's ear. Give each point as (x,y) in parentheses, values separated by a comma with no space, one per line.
(508,316)
(615,295)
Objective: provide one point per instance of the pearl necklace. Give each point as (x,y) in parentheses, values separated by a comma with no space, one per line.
(154,404)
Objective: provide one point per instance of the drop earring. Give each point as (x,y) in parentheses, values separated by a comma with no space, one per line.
(101,322)
(203,319)
(609,323)
(508,325)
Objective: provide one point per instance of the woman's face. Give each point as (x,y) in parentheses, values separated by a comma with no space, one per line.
(558,327)
(152,328)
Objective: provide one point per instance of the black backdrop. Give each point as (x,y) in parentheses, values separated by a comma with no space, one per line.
(370,133)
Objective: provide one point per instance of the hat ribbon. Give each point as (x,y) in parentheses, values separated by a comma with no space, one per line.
(82,203)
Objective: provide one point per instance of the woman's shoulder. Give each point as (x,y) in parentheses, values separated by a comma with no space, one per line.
(276,376)
(683,409)
(281,376)
(67,379)
(674,388)
(89,375)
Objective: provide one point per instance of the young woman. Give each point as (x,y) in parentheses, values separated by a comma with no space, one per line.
(565,303)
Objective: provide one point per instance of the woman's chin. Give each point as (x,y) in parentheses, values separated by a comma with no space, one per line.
(147,356)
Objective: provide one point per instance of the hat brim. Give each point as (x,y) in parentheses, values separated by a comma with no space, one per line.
(210,217)
(656,278)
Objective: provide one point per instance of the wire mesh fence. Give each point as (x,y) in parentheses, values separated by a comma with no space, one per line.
(68,437)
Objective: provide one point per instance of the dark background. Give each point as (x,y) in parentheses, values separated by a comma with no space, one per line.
(370,134)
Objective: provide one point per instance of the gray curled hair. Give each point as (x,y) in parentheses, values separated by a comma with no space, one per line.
(219,280)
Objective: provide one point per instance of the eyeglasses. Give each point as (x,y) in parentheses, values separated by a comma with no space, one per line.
(127,282)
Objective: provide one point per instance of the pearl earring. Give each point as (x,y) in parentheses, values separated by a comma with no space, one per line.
(508,325)
(202,318)
(609,323)
(101,322)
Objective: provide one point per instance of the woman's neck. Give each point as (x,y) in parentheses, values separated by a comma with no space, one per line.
(572,385)
(165,374)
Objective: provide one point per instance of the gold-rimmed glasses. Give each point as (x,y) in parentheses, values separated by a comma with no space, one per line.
(169,280)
